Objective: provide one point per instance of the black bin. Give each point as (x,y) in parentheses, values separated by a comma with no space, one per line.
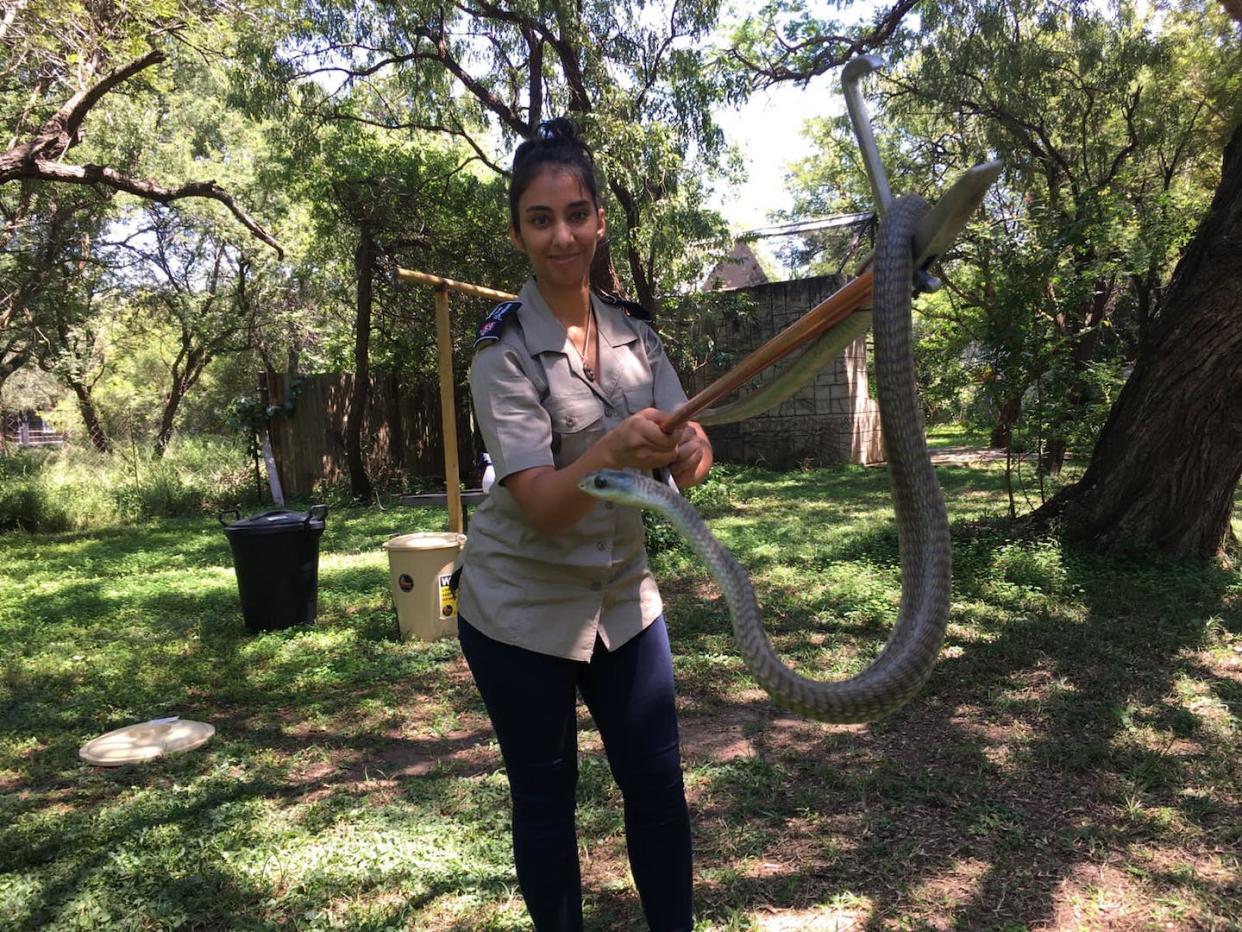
(276,558)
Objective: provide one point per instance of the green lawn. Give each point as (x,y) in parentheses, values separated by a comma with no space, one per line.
(1072,762)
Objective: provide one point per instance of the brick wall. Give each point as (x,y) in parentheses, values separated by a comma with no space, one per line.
(832,420)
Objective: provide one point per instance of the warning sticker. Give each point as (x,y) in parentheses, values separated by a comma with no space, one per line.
(448,598)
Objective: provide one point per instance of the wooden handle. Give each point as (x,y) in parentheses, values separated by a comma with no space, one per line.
(827,314)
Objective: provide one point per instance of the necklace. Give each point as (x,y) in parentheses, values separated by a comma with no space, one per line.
(586,347)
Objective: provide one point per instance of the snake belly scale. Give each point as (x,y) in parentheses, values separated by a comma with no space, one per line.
(922,526)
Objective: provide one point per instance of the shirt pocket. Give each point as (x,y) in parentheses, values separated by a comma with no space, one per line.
(577,422)
(638,397)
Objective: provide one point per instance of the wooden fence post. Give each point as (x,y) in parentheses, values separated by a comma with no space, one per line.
(448,411)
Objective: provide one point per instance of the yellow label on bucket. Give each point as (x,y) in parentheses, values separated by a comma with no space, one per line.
(448,598)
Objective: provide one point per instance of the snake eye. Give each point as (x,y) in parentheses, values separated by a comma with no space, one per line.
(601,482)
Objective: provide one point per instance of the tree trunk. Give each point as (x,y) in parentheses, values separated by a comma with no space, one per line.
(604,271)
(364,267)
(196,360)
(1166,466)
(1003,419)
(90,417)
(1078,394)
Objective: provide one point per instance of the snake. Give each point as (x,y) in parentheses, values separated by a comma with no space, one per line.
(913,645)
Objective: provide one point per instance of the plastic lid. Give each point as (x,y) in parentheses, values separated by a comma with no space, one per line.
(145,741)
(277,521)
(426,540)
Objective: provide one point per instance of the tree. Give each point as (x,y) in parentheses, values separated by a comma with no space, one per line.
(1168,461)
(640,83)
(48,295)
(188,283)
(77,54)
(379,199)
(785,41)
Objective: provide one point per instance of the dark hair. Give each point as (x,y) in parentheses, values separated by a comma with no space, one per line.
(557,143)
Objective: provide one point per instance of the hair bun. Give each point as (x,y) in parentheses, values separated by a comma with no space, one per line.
(560,129)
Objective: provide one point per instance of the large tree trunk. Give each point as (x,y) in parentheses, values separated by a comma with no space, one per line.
(364,267)
(1166,466)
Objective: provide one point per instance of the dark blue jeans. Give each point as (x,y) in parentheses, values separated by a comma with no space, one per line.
(531,699)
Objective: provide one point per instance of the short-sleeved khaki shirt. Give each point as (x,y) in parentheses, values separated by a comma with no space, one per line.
(535,407)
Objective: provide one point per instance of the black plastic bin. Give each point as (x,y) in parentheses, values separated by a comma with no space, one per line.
(276,558)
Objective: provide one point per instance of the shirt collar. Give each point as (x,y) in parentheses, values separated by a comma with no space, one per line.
(614,324)
(545,333)
(542,330)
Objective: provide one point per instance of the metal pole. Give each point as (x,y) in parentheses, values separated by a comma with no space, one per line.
(448,411)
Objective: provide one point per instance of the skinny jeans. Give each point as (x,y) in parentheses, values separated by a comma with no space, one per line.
(532,701)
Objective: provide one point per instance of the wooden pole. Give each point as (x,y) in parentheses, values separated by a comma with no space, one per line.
(828,313)
(448,411)
(422,278)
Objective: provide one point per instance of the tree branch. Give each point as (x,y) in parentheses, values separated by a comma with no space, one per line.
(60,132)
(40,159)
(831,51)
(43,170)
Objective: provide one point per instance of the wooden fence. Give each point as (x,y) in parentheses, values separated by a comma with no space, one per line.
(401,432)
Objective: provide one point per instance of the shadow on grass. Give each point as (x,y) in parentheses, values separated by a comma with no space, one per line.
(1072,729)
(1035,754)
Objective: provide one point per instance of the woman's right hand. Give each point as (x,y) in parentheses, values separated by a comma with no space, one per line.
(639,442)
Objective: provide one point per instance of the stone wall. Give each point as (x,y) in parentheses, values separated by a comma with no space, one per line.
(832,420)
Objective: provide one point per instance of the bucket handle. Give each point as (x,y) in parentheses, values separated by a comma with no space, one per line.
(316,511)
(228,511)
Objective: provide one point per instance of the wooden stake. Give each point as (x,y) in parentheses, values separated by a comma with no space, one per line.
(448,410)
(422,278)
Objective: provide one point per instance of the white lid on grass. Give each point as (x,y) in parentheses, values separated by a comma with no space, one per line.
(145,741)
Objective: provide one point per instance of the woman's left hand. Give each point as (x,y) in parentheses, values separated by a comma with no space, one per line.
(694,456)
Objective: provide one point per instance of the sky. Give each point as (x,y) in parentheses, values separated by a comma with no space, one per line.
(768,132)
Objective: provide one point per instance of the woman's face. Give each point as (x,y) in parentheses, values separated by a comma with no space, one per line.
(559,228)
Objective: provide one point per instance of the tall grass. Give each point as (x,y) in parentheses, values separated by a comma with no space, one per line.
(74,488)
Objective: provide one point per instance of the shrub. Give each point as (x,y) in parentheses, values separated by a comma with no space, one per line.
(74,488)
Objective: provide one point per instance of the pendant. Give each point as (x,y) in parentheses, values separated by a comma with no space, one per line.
(588,372)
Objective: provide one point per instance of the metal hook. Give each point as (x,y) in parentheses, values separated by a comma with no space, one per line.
(853,72)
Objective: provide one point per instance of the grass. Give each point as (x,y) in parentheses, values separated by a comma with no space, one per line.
(1072,763)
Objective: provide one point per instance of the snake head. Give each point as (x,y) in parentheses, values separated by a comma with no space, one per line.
(608,484)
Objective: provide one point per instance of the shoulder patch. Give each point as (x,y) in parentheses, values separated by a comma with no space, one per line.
(631,308)
(494,323)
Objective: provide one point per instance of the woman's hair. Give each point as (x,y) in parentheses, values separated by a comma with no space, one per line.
(557,143)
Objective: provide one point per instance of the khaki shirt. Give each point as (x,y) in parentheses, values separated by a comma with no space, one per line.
(534,407)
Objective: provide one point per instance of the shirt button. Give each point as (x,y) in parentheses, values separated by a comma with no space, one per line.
(601,545)
(608,411)
(595,587)
(569,422)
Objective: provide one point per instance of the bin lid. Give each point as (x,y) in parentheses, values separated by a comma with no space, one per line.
(426,540)
(145,741)
(278,521)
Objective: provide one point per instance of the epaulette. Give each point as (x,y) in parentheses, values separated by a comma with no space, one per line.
(631,308)
(495,321)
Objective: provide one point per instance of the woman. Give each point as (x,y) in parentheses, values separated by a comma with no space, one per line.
(555,596)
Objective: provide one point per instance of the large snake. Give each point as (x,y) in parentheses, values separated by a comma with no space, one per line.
(922,526)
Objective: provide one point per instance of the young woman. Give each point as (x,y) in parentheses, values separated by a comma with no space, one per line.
(556,598)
